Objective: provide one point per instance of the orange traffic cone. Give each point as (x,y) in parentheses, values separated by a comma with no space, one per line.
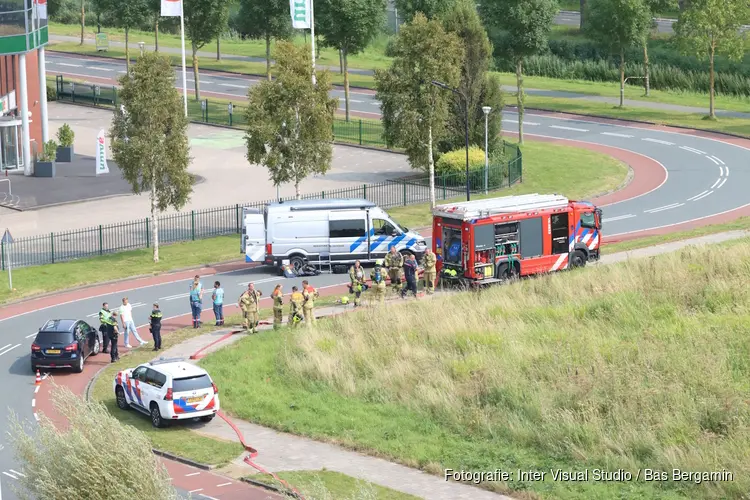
(38,378)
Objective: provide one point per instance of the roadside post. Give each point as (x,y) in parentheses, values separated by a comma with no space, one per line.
(7,240)
(230,108)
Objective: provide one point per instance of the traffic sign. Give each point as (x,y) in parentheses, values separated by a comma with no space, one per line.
(7,238)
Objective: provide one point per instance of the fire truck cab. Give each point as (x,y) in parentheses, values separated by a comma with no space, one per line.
(492,240)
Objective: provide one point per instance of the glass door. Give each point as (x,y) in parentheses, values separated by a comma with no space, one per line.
(10,158)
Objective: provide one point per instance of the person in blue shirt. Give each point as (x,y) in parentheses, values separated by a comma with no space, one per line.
(196,301)
(218,298)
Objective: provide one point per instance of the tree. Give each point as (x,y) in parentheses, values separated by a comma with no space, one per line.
(111,460)
(291,119)
(83,19)
(524,27)
(154,8)
(127,15)
(349,25)
(204,21)
(415,112)
(265,19)
(149,140)
(655,7)
(432,9)
(619,25)
(708,27)
(476,84)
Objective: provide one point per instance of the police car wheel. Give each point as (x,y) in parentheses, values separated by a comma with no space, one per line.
(156,419)
(122,403)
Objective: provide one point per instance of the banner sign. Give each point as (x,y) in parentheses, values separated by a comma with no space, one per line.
(170,8)
(101,154)
(300,10)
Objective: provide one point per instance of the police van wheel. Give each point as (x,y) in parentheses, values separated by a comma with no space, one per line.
(156,419)
(122,403)
(297,262)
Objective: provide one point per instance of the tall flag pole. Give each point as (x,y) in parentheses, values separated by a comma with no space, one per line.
(302,19)
(174,8)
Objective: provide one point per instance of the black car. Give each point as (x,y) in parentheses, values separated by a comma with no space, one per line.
(64,343)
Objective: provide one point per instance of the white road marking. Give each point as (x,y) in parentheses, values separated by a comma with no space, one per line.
(192,474)
(16,472)
(721,171)
(36,417)
(174,297)
(726,171)
(32,335)
(712,159)
(619,217)
(9,475)
(206,496)
(658,141)
(613,134)
(569,128)
(702,196)
(33,403)
(264,280)
(8,350)
(91,315)
(693,150)
(45,376)
(516,121)
(99,68)
(223,484)
(195,491)
(718,159)
(5,347)
(36,389)
(717,182)
(698,195)
(68,64)
(665,207)
(233,85)
(721,183)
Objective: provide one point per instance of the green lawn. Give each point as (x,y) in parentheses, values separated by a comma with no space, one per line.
(330,485)
(371,58)
(598,368)
(30,281)
(547,168)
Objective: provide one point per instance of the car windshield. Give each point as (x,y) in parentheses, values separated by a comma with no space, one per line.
(188,384)
(398,226)
(54,338)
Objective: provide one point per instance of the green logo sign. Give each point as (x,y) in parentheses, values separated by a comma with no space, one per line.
(300,11)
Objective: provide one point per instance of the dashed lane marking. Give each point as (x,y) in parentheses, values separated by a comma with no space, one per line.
(614,134)
(619,217)
(192,474)
(32,335)
(721,183)
(698,195)
(6,351)
(10,475)
(33,403)
(718,159)
(36,417)
(68,64)
(665,207)
(16,472)
(175,297)
(693,150)
(36,389)
(99,68)
(712,159)
(233,85)
(196,490)
(658,141)
(703,195)
(569,128)
(223,484)
(716,183)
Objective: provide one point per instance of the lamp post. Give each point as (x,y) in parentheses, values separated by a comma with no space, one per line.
(466,128)
(142,46)
(486,110)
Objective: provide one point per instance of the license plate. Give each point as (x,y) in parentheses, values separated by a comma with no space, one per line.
(53,351)
(196,399)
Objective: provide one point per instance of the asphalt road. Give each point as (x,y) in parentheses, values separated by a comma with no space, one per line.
(573,18)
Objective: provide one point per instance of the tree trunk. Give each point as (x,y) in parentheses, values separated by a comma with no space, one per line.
(297,192)
(646,67)
(317,47)
(195,73)
(268,56)
(127,51)
(156,34)
(346,82)
(83,18)
(580,19)
(622,77)
(341,62)
(711,111)
(519,84)
(218,48)
(432,165)
(154,219)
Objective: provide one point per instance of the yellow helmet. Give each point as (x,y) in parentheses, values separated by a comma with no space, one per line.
(344,299)
(379,262)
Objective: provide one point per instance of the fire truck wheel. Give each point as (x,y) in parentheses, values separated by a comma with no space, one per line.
(506,273)
(578,259)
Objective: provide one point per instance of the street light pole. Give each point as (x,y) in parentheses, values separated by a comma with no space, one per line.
(486,110)
(466,128)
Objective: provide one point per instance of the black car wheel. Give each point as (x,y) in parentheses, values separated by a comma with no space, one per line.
(122,403)
(207,418)
(156,419)
(78,368)
(97,347)
(578,259)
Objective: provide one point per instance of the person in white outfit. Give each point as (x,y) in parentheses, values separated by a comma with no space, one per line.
(128,326)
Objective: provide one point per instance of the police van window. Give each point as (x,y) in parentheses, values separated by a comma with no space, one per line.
(587,220)
(383,227)
(353,228)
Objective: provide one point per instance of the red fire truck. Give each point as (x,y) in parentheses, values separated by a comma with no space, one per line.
(491,240)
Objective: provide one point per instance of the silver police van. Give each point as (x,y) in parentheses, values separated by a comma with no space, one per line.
(337,230)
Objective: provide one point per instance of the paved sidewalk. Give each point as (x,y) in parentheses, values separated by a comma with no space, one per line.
(283,452)
(634,103)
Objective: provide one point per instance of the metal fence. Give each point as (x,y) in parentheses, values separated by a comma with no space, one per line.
(227,220)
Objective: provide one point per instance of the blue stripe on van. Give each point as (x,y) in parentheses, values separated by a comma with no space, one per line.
(377,243)
(411,243)
(248,259)
(360,240)
(396,241)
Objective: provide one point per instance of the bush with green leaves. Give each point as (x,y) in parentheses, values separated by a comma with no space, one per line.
(48,152)
(51,94)
(450,169)
(96,456)
(66,136)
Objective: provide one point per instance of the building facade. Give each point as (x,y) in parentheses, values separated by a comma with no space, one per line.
(23,90)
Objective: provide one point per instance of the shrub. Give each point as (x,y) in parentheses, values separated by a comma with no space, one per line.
(66,136)
(49,151)
(450,169)
(97,456)
(51,94)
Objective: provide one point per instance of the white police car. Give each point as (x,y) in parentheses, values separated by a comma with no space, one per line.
(167,390)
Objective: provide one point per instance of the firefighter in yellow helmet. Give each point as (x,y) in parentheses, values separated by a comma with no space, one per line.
(430,272)
(394,261)
(249,305)
(377,276)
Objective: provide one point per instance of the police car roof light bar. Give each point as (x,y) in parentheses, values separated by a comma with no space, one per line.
(162,361)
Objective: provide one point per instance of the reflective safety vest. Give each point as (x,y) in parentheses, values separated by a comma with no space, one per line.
(105,317)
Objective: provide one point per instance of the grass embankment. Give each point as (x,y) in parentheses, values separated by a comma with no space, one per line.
(330,485)
(547,168)
(637,365)
(29,281)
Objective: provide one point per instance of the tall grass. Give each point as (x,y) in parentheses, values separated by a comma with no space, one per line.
(645,364)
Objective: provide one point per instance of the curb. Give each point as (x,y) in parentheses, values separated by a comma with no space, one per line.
(256,75)
(269,487)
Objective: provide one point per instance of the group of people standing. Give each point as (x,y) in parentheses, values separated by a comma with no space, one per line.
(301,306)
(398,266)
(110,331)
